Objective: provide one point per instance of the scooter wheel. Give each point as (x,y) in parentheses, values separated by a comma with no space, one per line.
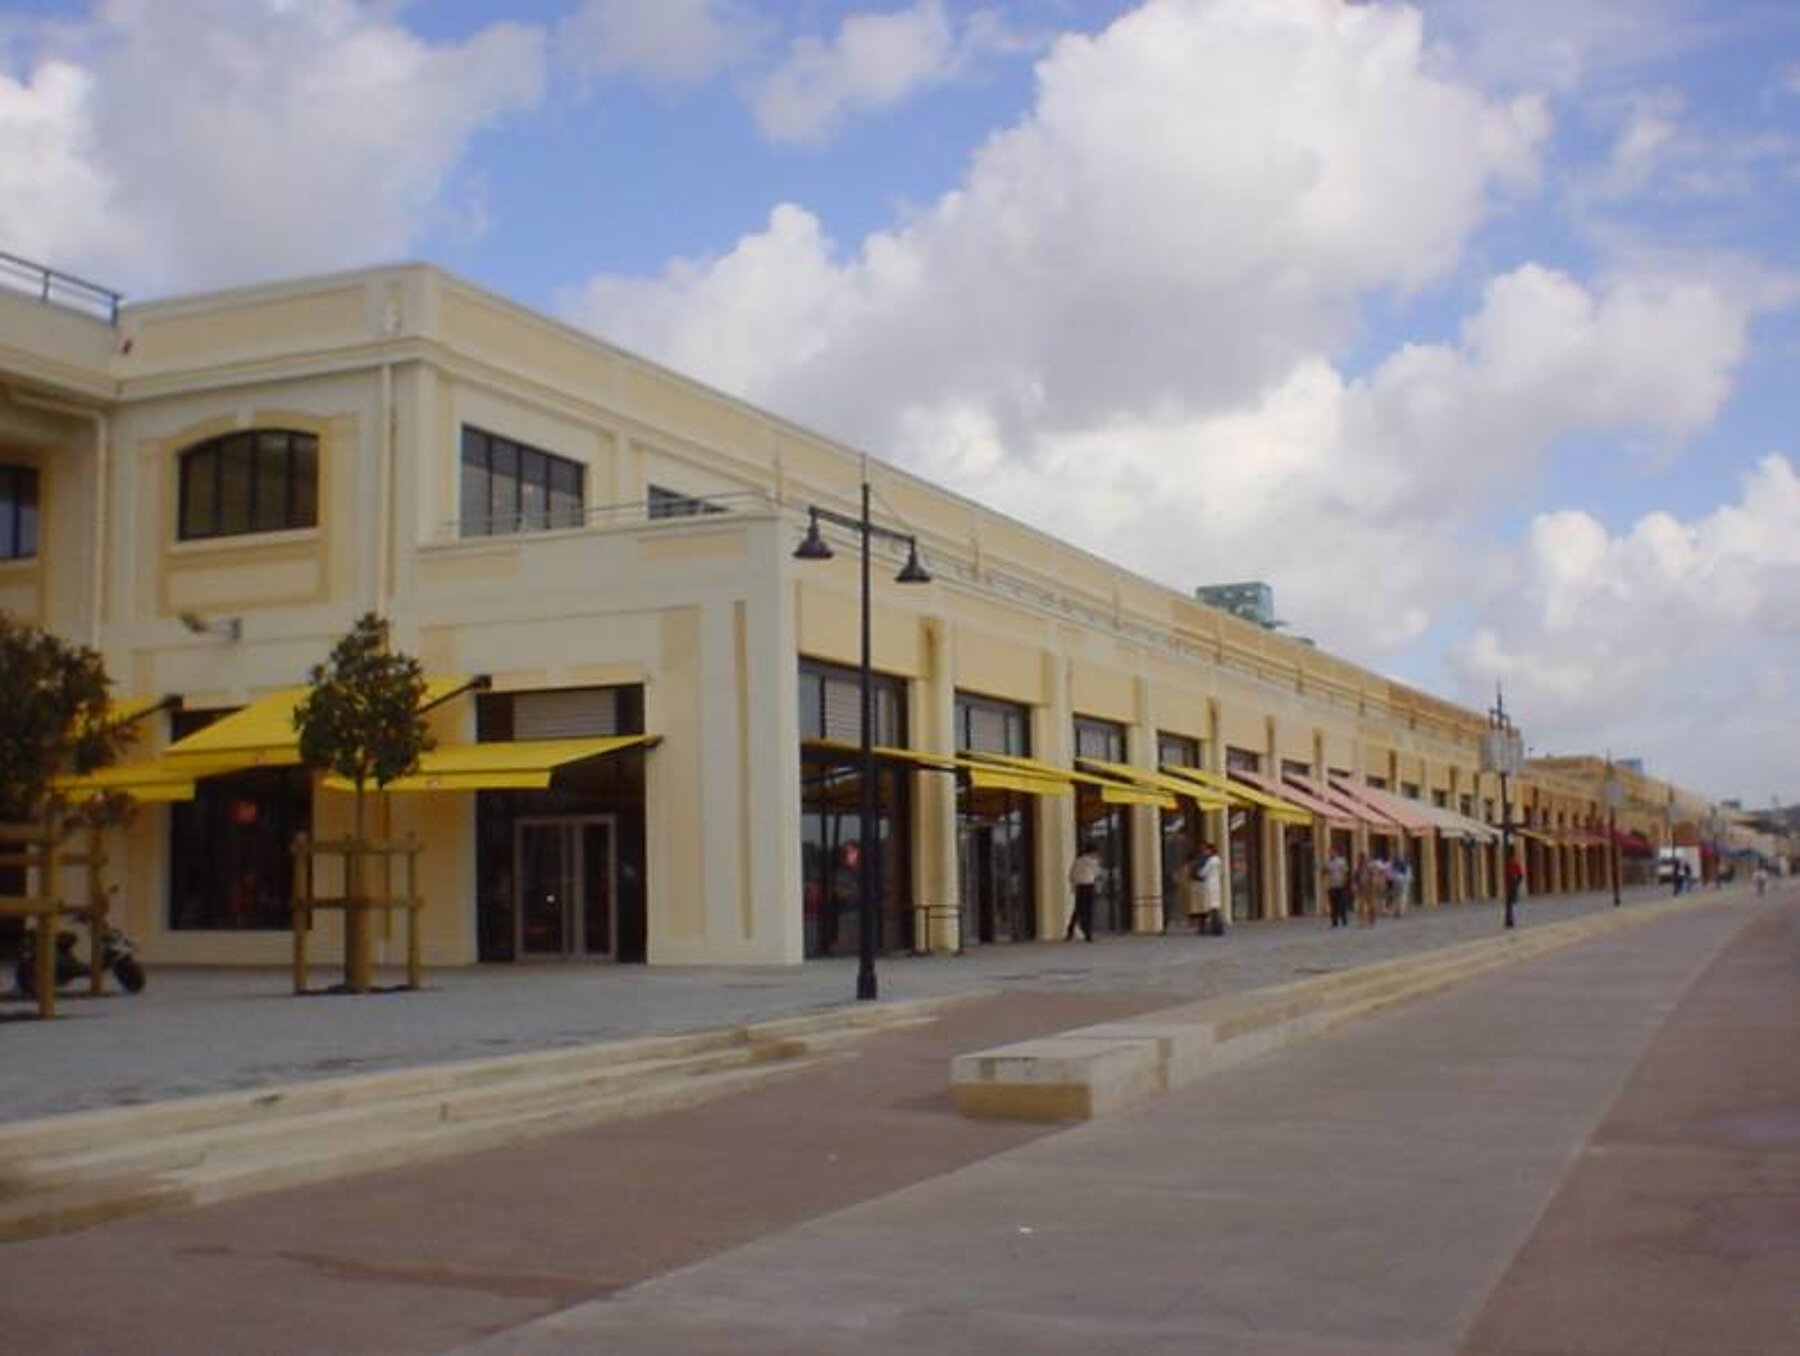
(129,974)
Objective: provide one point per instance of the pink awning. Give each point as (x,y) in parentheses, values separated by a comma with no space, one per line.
(1347,806)
(1275,786)
(1394,808)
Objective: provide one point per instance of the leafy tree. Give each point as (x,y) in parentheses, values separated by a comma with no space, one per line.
(53,718)
(360,718)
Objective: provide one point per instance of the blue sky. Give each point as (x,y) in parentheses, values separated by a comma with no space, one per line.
(1469,326)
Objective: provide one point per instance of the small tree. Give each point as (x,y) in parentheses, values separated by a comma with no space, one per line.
(360,718)
(53,718)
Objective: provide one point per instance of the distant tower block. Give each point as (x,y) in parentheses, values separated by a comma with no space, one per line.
(1253,601)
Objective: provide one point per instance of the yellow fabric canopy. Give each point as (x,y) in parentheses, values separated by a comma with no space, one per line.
(146,781)
(983,775)
(262,734)
(516,765)
(1205,797)
(1284,811)
(258,735)
(1112,791)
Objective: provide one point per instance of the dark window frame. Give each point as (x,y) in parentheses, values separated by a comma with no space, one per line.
(817,676)
(20,512)
(662,502)
(280,491)
(534,490)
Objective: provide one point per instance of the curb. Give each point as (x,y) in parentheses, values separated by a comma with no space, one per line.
(67,1172)
(1097,1070)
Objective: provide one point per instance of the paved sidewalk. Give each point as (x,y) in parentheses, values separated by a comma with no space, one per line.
(197,1031)
(1360,1195)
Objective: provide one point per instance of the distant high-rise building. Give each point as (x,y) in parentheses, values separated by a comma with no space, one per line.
(1253,601)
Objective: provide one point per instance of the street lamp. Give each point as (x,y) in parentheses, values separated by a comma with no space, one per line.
(1501,751)
(814,547)
(1611,792)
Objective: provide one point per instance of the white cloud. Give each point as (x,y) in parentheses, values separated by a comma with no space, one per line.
(1103,255)
(1565,44)
(1120,325)
(216,141)
(876,60)
(1676,638)
(673,41)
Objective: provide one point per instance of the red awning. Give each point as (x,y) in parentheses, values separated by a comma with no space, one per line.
(1343,806)
(1391,808)
(1633,844)
(1294,795)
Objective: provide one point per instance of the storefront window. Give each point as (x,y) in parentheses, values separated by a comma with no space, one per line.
(561,873)
(1243,856)
(1182,828)
(231,847)
(831,845)
(994,829)
(1106,827)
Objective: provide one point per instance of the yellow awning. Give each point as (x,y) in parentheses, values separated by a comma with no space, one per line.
(262,734)
(516,765)
(122,711)
(1112,791)
(147,781)
(1284,811)
(982,774)
(258,735)
(1204,797)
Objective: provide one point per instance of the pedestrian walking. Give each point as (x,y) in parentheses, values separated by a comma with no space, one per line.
(1337,889)
(1084,873)
(1371,888)
(1399,886)
(1208,898)
(1762,879)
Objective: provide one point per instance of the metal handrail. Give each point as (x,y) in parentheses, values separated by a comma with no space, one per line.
(56,288)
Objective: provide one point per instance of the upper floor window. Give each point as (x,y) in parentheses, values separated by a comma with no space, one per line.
(509,487)
(674,504)
(831,704)
(987,725)
(18,512)
(263,480)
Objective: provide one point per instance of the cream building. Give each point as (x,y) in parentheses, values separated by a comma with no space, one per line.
(645,705)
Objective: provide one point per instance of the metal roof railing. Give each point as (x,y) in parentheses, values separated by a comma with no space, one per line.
(55,288)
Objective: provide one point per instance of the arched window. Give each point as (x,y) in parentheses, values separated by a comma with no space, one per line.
(262,480)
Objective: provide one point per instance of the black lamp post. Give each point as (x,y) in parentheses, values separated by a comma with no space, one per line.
(814,547)
(1612,791)
(1503,757)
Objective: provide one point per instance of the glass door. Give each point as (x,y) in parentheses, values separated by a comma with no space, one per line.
(567,876)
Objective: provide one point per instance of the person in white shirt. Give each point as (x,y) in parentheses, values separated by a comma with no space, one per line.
(1084,874)
(1210,897)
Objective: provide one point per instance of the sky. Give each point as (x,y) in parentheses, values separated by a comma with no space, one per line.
(1472,328)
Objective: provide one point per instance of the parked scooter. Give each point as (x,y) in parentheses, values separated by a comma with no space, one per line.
(115,955)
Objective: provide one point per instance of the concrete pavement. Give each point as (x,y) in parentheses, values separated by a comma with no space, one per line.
(205,1031)
(1364,1193)
(1361,1193)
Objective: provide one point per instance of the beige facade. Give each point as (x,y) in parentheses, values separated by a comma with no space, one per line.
(699,614)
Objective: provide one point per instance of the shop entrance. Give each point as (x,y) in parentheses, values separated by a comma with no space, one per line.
(995,898)
(567,886)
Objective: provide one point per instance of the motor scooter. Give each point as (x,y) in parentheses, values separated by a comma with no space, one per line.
(115,955)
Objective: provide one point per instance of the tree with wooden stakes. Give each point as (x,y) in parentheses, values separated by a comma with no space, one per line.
(54,721)
(360,719)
